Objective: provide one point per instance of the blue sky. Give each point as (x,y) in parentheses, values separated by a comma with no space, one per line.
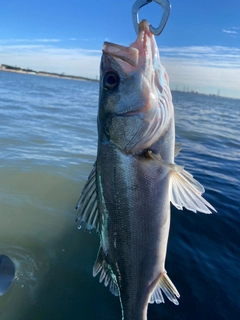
(200,45)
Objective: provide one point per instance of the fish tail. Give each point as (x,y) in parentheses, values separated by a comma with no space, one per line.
(165,285)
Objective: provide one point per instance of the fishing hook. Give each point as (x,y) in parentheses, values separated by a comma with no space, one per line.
(166,12)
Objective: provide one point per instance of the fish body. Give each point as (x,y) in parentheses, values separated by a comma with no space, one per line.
(127,196)
(136,225)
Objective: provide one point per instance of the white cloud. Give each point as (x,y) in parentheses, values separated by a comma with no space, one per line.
(214,56)
(201,76)
(206,69)
(232,31)
(49,58)
(47,40)
(229,31)
(12,41)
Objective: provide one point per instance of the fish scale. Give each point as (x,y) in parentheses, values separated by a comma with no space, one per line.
(136,227)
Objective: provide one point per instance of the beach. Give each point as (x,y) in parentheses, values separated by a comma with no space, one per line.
(7,68)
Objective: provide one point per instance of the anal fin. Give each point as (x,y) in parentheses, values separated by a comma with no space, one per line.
(166,286)
(106,274)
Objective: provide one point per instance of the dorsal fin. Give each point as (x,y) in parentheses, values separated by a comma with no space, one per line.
(106,275)
(88,205)
(177,149)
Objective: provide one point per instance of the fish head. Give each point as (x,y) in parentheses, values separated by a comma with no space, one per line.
(135,105)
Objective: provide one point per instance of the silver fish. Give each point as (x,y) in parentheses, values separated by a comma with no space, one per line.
(128,193)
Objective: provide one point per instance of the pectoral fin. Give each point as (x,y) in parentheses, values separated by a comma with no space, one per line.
(165,285)
(106,273)
(88,205)
(185,191)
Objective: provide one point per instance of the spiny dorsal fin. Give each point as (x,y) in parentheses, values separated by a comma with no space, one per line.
(106,273)
(185,191)
(165,285)
(88,205)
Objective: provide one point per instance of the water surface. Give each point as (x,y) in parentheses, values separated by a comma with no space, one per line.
(48,141)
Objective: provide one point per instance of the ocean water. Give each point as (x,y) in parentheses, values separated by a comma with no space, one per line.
(48,141)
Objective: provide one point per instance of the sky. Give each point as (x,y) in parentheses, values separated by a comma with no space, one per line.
(200,45)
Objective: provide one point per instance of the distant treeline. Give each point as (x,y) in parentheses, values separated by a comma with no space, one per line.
(6,66)
(63,75)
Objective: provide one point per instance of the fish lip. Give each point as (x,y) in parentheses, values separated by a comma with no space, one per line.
(134,55)
(144,37)
(126,54)
(144,27)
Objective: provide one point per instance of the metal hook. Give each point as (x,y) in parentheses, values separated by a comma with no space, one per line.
(166,12)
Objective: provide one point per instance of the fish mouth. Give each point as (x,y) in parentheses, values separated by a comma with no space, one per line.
(140,54)
(144,37)
(126,54)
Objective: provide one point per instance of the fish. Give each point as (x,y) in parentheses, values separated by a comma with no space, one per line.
(128,193)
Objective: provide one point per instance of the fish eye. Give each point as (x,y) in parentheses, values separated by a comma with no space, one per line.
(110,80)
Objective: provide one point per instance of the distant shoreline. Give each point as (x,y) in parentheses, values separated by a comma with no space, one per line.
(8,68)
